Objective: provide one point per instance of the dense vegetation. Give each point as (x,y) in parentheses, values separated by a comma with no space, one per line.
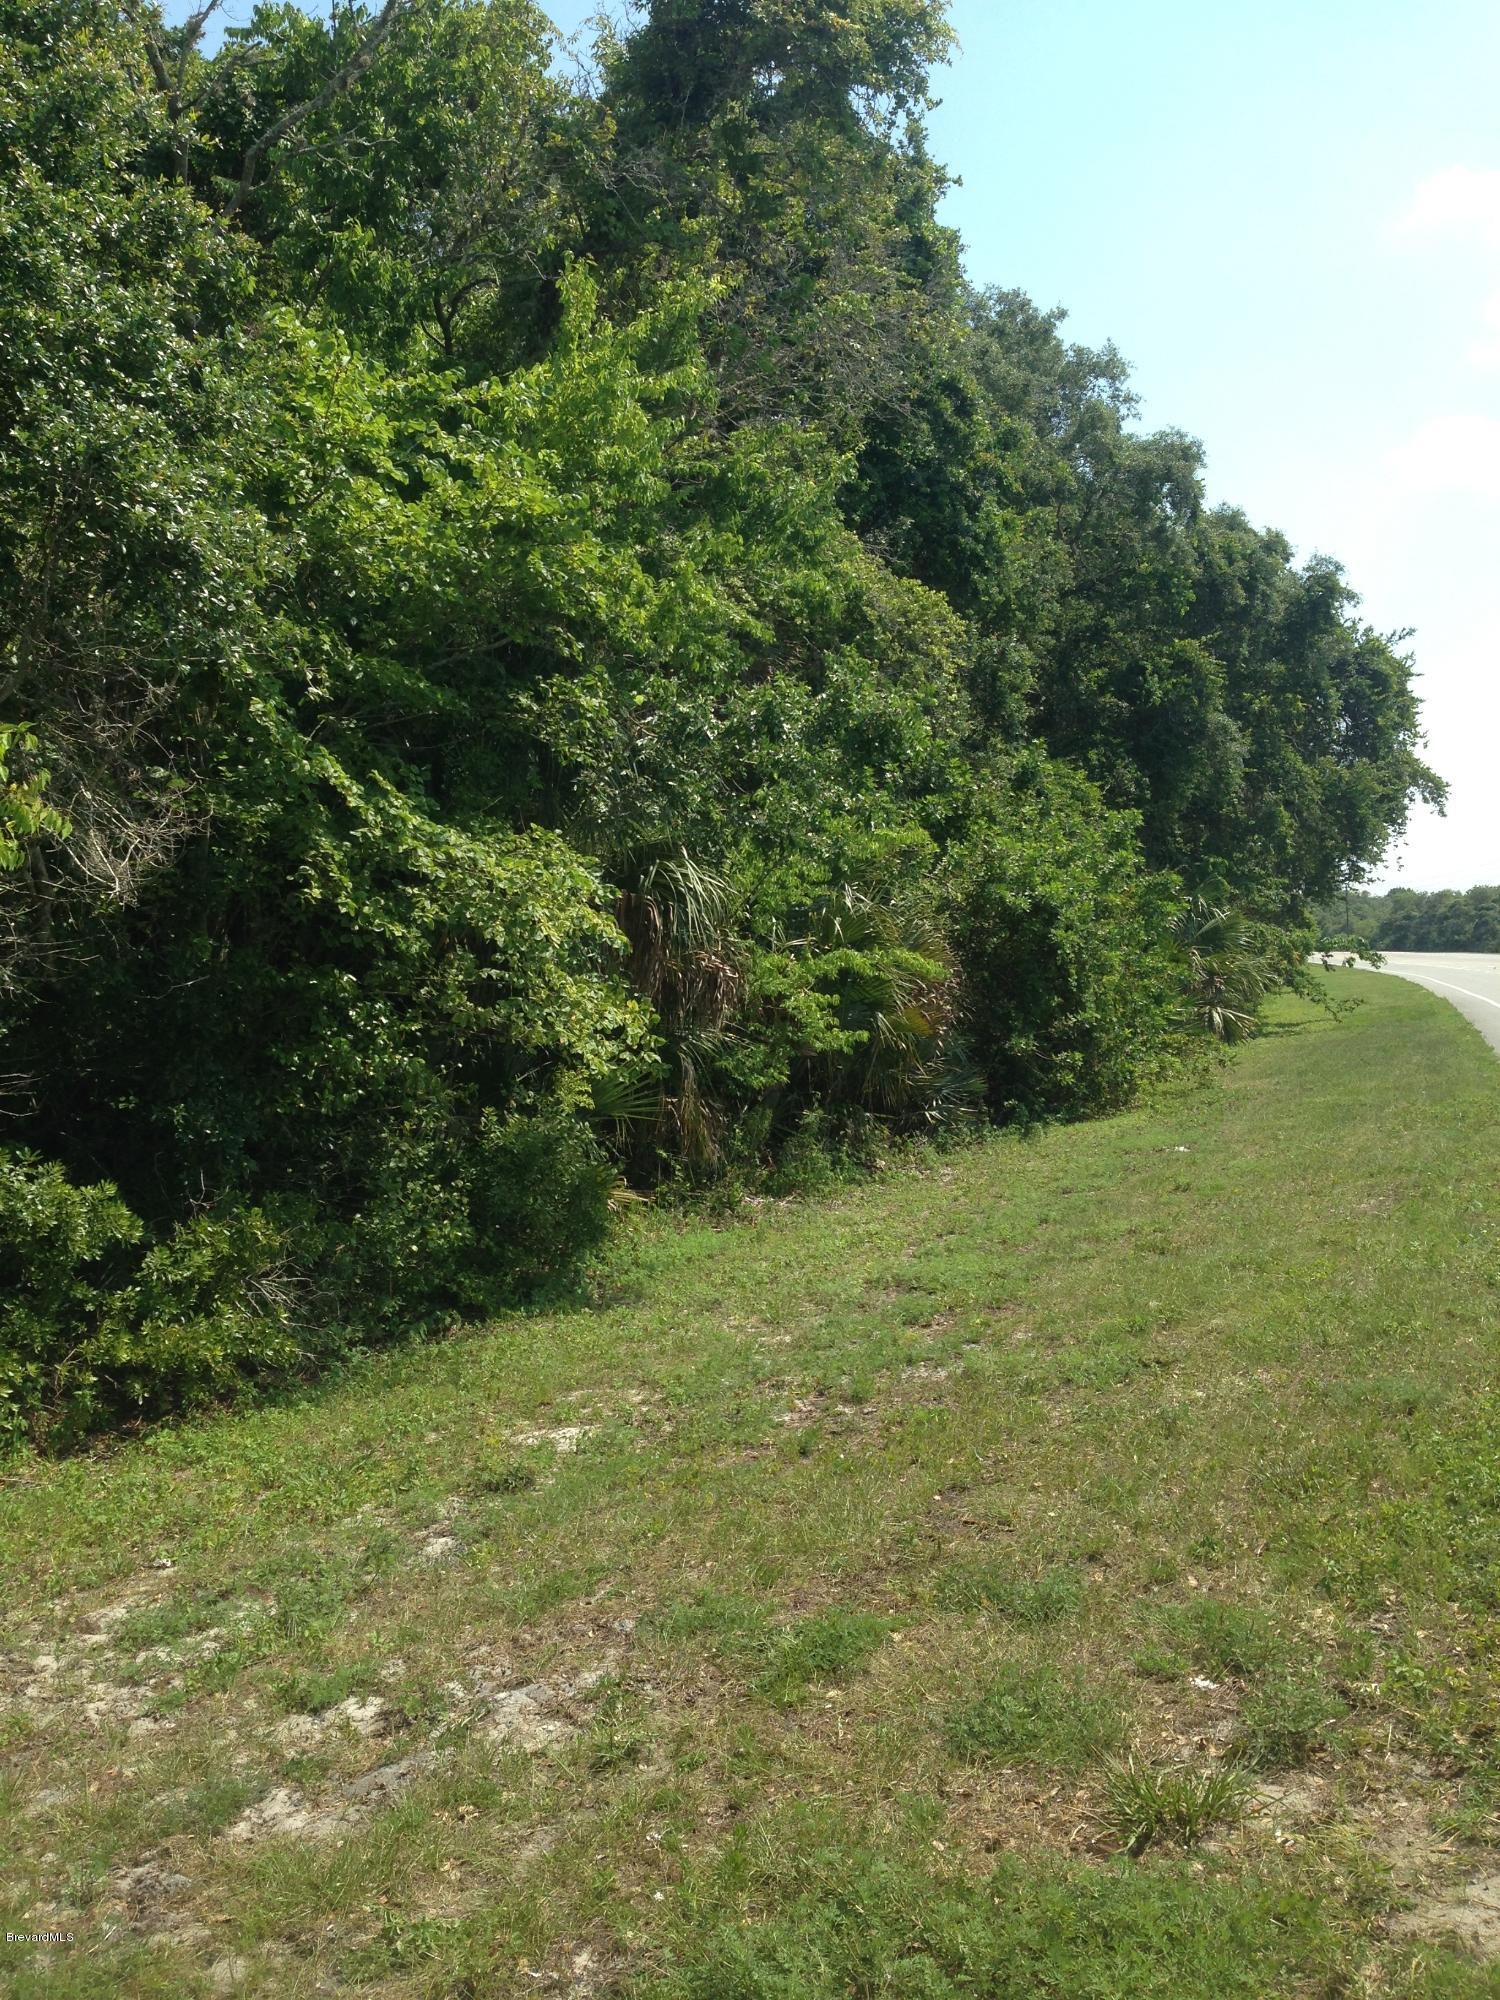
(551,633)
(1416,919)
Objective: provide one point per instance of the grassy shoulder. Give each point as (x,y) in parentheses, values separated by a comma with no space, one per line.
(1070,1567)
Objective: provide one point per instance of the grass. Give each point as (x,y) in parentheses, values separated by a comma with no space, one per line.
(1037,1715)
(1142,1805)
(783,1625)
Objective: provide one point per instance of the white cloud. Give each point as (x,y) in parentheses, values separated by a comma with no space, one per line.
(1461,205)
(1485,352)
(1459,453)
(1457,201)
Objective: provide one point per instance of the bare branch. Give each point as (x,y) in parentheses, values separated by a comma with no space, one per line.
(336,85)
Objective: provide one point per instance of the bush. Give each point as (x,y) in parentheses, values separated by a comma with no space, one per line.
(63,1250)
(97,1323)
(1064,942)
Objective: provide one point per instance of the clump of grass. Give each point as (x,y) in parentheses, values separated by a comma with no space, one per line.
(729,1621)
(818,1651)
(1283,1721)
(314,1693)
(1023,1600)
(1037,1715)
(1146,1804)
(828,1913)
(167,1622)
(506,1475)
(1214,1636)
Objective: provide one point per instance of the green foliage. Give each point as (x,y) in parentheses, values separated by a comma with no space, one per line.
(94,1322)
(1226,977)
(1414,920)
(1064,940)
(25,815)
(550,637)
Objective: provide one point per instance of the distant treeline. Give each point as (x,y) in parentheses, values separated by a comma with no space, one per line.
(554,644)
(1417,919)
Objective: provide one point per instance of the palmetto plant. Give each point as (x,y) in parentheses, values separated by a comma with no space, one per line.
(1225,974)
(892,967)
(677,918)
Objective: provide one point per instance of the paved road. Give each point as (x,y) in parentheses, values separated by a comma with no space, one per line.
(1470,979)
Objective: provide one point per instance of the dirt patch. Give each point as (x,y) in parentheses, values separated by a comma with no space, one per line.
(287,1813)
(142,1891)
(563,1438)
(526,1715)
(365,1716)
(1469,1914)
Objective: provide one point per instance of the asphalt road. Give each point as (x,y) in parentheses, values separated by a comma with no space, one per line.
(1470,979)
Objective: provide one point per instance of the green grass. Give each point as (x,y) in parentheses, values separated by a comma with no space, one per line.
(781,1625)
(1038,1715)
(1142,1805)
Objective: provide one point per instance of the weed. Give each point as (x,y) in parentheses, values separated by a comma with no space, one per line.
(1213,1635)
(727,1620)
(1284,1720)
(507,1475)
(819,1651)
(1037,1715)
(314,1693)
(1144,1805)
(165,1623)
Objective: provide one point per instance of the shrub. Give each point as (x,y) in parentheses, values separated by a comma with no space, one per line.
(97,1322)
(1063,938)
(63,1249)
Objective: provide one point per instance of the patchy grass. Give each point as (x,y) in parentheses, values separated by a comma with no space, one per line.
(783,1625)
(1038,1715)
(1023,1600)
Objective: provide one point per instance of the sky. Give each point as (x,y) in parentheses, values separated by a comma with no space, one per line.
(1287,217)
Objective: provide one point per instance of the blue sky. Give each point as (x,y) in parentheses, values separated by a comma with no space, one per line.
(1287,217)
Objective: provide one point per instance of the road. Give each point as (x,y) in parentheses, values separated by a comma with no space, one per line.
(1470,979)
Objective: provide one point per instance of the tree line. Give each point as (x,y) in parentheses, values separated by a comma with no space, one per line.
(1416,919)
(554,639)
